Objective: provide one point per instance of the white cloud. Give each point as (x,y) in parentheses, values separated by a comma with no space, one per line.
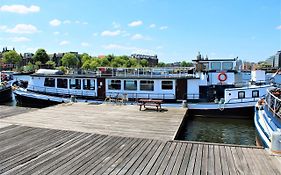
(19,39)
(137,37)
(66,22)
(163,27)
(135,23)
(95,34)
(77,22)
(56,33)
(85,23)
(55,22)
(62,43)
(21,9)
(84,44)
(110,33)
(116,25)
(131,49)
(23,28)
(152,25)
(278,27)
(3,27)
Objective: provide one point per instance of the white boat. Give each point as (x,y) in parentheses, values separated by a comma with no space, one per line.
(268,120)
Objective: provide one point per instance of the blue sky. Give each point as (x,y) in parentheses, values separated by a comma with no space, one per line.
(174,30)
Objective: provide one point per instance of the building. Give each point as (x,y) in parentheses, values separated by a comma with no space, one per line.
(26,58)
(152,59)
(277,60)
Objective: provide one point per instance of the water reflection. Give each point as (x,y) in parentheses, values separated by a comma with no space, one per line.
(218,130)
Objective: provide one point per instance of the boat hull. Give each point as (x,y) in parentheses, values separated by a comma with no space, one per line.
(6,94)
(30,101)
(239,112)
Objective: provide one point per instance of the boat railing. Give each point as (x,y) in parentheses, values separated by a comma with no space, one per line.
(193,96)
(62,92)
(242,100)
(136,96)
(273,102)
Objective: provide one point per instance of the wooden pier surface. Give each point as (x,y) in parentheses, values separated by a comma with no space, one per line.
(30,150)
(108,119)
(7,111)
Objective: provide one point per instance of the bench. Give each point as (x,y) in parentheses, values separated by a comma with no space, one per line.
(150,102)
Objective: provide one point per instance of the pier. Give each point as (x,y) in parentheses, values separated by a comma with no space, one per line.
(117,139)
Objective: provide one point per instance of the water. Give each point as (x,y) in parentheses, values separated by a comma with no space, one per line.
(219,130)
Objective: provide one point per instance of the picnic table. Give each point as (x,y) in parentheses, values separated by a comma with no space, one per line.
(150,102)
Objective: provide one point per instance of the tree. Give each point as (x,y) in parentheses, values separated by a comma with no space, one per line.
(85,57)
(94,64)
(12,57)
(40,55)
(29,67)
(38,64)
(186,64)
(70,60)
(86,65)
(144,63)
(51,64)
(161,64)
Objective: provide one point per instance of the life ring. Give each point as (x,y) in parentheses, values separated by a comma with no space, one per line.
(222,76)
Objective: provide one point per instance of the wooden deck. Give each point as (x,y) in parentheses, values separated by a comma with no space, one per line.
(108,119)
(29,150)
(7,111)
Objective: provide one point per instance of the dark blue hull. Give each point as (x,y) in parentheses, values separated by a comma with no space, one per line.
(6,94)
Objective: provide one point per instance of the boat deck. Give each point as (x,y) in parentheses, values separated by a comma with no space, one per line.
(30,150)
(109,119)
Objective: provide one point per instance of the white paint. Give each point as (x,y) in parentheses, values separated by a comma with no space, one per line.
(193,88)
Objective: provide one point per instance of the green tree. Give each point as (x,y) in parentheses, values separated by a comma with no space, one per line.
(12,57)
(85,57)
(110,57)
(41,55)
(86,65)
(94,64)
(161,64)
(70,60)
(104,62)
(51,64)
(29,67)
(144,63)
(38,65)
(62,68)
(186,64)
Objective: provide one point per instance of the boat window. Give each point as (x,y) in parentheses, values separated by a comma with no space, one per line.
(146,85)
(241,94)
(167,85)
(255,93)
(61,83)
(114,84)
(75,84)
(215,66)
(130,85)
(227,66)
(89,84)
(49,82)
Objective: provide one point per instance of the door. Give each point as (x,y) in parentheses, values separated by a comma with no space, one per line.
(181,89)
(101,88)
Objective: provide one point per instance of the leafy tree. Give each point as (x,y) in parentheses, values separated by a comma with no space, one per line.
(110,57)
(12,57)
(86,65)
(94,64)
(38,64)
(51,64)
(186,64)
(104,62)
(29,67)
(161,64)
(85,57)
(62,68)
(40,55)
(143,63)
(70,60)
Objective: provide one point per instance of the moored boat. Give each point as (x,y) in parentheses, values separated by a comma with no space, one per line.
(5,87)
(267,120)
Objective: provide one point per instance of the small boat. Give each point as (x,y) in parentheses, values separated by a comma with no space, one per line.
(5,87)
(267,120)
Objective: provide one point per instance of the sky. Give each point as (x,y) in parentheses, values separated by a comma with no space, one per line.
(175,30)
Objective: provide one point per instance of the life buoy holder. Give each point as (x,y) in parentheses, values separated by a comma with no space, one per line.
(222,76)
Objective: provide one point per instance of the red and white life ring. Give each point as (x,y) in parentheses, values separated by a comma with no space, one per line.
(222,76)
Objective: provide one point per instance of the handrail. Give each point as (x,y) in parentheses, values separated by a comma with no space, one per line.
(141,95)
(272,106)
(243,99)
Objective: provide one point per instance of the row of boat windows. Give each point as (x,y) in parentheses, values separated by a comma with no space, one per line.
(241,94)
(145,85)
(88,84)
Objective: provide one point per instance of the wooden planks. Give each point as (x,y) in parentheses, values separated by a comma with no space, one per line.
(29,150)
(109,119)
(7,111)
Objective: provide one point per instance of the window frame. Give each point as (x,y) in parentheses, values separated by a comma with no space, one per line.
(147,83)
(48,80)
(255,91)
(171,86)
(114,82)
(135,82)
(241,92)
(62,83)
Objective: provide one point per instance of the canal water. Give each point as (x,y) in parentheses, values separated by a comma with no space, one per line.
(220,130)
(204,129)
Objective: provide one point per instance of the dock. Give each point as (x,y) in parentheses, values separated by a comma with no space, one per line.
(7,111)
(30,150)
(117,139)
(109,119)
